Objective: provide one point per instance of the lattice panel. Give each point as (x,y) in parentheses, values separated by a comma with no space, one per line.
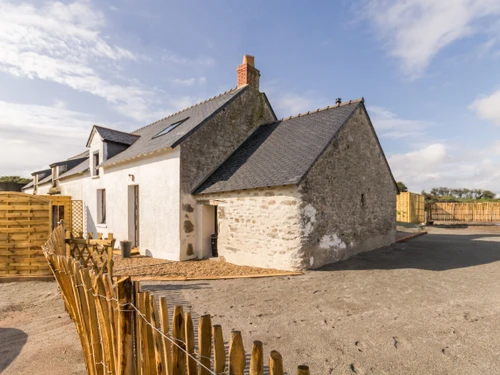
(94,254)
(77,218)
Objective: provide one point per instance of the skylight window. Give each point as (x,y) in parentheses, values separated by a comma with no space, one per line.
(170,128)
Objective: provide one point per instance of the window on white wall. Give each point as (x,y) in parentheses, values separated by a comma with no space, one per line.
(95,163)
(101,206)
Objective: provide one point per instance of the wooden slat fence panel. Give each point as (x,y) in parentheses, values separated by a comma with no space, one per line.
(124,331)
(410,208)
(25,224)
(477,212)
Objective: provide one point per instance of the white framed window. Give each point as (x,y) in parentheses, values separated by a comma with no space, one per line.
(101,206)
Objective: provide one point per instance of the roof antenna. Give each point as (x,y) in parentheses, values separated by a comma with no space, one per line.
(338,101)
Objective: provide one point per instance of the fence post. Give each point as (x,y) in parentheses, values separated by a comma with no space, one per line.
(189,334)
(303,370)
(275,363)
(204,343)
(257,359)
(237,360)
(219,350)
(124,290)
(179,343)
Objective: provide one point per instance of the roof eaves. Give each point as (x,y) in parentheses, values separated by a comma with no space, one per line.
(66,162)
(109,164)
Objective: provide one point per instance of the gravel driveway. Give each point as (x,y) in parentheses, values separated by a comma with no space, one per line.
(430,305)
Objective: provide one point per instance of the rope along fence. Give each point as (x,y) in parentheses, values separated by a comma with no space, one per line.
(124,330)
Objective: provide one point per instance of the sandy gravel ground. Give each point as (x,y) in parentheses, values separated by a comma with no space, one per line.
(146,266)
(427,306)
(36,334)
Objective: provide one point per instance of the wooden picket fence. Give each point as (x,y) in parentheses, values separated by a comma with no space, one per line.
(124,330)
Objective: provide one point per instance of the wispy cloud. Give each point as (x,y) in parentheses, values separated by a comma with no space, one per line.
(390,125)
(414,31)
(63,43)
(189,82)
(174,58)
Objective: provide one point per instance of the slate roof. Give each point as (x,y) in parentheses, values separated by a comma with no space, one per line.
(280,153)
(195,115)
(79,169)
(116,136)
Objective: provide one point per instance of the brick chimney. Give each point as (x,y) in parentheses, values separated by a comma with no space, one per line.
(247,73)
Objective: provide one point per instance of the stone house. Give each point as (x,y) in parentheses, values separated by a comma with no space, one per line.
(295,193)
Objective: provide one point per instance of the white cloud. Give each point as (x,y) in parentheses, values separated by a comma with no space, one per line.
(35,136)
(441,164)
(414,31)
(62,43)
(189,82)
(487,107)
(292,104)
(389,125)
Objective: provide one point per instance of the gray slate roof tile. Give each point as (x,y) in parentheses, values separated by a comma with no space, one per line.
(117,136)
(80,168)
(195,116)
(280,153)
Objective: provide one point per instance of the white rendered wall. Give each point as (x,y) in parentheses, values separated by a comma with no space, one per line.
(158,180)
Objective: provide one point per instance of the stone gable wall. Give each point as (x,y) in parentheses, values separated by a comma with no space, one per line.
(259,227)
(348,197)
(209,147)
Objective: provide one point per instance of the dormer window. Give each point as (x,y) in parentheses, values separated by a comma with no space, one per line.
(95,163)
(170,128)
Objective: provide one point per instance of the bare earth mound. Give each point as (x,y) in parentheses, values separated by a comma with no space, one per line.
(139,265)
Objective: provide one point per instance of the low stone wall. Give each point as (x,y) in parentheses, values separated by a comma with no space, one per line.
(260,227)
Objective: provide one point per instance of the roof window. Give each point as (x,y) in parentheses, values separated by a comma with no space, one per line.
(170,128)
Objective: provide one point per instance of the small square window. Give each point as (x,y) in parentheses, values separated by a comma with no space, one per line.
(170,128)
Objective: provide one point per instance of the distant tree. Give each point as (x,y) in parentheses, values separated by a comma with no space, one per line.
(402,187)
(487,194)
(15,179)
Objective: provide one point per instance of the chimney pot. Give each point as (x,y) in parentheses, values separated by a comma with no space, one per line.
(247,73)
(250,60)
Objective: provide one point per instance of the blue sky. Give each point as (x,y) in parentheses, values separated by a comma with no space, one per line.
(428,71)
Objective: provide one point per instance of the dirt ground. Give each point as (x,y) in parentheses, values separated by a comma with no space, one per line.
(429,305)
(36,334)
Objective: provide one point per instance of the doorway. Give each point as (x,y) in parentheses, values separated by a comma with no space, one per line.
(133,215)
(209,233)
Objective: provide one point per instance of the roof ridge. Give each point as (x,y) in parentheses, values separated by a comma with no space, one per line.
(185,109)
(360,100)
(116,130)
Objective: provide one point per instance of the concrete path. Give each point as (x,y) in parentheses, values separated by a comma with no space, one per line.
(430,305)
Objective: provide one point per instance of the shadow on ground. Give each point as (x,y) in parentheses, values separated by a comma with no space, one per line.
(12,341)
(434,252)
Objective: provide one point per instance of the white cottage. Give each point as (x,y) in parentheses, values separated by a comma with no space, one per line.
(228,167)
